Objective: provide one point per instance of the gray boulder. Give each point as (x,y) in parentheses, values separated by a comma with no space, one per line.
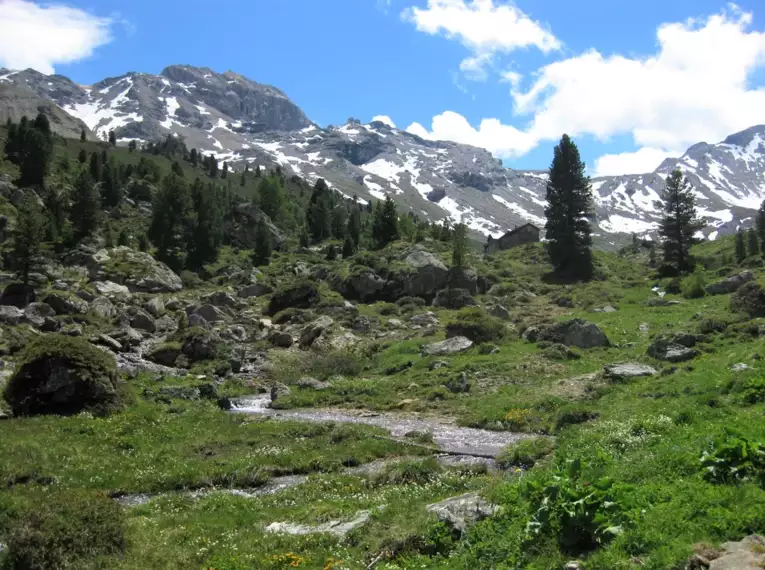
(428,319)
(241,227)
(102,307)
(110,288)
(210,313)
(256,290)
(336,528)
(364,284)
(66,305)
(576,332)
(452,345)
(314,330)
(155,306)
(36,313)
(463,278)
(459,513)
(499,312)
(196,320)
(628,370)
(220,299)
(454,299)
(10,315)
(312,384)
(673,348)
(731,284)
(280,339)
(143,321)
(166,324)
(137,270)
(747,554)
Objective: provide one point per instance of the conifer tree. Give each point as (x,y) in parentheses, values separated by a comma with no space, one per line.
(172,222)
(753,242)
(111,190)
(208,225)
(303,237)
(82,157)
(132,146)
(95,166)
(760,225)
(83,135)
(680,222)
(459,246)
(85,212)
(112,138)
(29,237)
(740,246)
(349,247)
(339,219)
(569,204)
(261,254)
(193,157)
(319,212)
(354,225)
(272,197)
(385,223)
(331,253)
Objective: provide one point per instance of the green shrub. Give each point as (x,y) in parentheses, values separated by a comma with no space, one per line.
(64,531)
(406,301)
(190,280)
(475,324)
(301,295)
(387,309)
(526,452)
(412,472)
(695,286)
(294,316)
(753,391)
(59,374)
(708,326)
(325,366)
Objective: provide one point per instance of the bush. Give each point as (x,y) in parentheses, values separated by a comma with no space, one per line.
(409,472)
(325,366)
(406,301)
(190,280)
(753,391)
(387,309)
(64,531)
(301,295)
(695,286)
(734,459)
(293,316)
(708,326)
(58,374)
(749,299)
(526,452)
(477,325)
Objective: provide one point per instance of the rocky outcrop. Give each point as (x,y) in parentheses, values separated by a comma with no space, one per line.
(673,348)
(242,224)
(576,332)
(64,304)
(337,528)
(452,345)
(628,371)
(459,513)
(454,299)
(137,270)
(731,284)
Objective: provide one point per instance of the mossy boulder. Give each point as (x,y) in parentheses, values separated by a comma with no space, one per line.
(477,325)
(300,295)
(749,299)
(138,270)
(63,375)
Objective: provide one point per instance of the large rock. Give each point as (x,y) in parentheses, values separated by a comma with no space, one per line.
(36,313)
(731,284)
(137,270)
(336,528)
(463,278)
(66,305)
(628,370)
(220,299)
(155,306)
(256,290)
(62,375)
(300,295)
(314,330)
(201,345)
(364,285)
(210,313)
(166,354)
(576,332)
(143,321)
(459,513)
(428,319)
(750,299)
(109,288)
(10,315)
(423,275)
(102,307)
(241,227)
(449,346)
(673,348)
(18,295)
(747,554)
(280,339)
(454,299)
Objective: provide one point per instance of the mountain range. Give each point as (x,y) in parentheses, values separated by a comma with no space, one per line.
(243,122)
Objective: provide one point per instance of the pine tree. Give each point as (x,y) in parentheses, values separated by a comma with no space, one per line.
(753,242)
(652,256)
(303,237)
(208,225)
(95,166)
(331,253)
(111,190)
(172,221)
(740,247)
(339,220)
(124,238)
(459,246)
(349,247)
(29,237)
(261,254)
(36,156)
(82,158)
(385,223)
(193,157)
(680,222)
(569,202)
(354,225)
(112,138)
(224,170)
(132,146)
(271,197)
(85,212)
(319,212)
(83,135)
(760,224)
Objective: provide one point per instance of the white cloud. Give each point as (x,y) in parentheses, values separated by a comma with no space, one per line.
(500,139)
(38,36)
(384,119)
(483,27)
(643,160)
(694,88)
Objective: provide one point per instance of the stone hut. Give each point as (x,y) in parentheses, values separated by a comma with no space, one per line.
(527,233)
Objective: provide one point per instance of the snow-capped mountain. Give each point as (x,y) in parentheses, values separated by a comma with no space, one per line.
(241,121)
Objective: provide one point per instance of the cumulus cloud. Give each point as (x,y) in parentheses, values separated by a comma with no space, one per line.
(384,119)
(483,27)
(39,36)
(641,161)
(500,139)
(694,88)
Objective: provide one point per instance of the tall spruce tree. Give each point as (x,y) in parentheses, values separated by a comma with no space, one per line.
(349,247)
(354,225)
(680,222)
(319,212)
(459,246)
(339,219)
(760,225)
(261,253)
(112,138)
(272,197)
(753,242)
(29,237)
(172,221)
(207,236)
(83,135)
(85,212)
(569,205)
(385,223)
(740,246)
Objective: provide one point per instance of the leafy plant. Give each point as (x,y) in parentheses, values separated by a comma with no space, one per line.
(582,513)
(733,460)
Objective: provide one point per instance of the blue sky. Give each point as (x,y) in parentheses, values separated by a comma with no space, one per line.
(581,67)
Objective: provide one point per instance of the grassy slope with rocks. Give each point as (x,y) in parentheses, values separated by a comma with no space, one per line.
(622,473)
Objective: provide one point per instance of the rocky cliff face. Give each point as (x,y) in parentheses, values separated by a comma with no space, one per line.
(241,121)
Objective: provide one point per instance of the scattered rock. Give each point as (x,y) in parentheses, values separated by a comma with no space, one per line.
(196,320)
(280,339)
(10,315)
(674,348)
(731,284)
(110,288)
(18,295)
(661,303)
(454,299)
(36,313)
(606,309)
(748,554)
(452,345)
(210,313)
(237,333)
(141,320)
(165,354)
(220,299)
(108,342)
(166,324)
(312,384)
(566,302)
(436,364)
(557,351)
(103,308)
(644,328)
(424,320)
(459,384)
(301,295)
(750,299)
(628,370)
(576,332)
(66,305)
(463,278)
(396,324)
(189,393)
(173,304)
(155,306)
(334,527)
(459,513)
(499,312)
(313,331)
(739,367)
(531,334)
(72,330)
(256,290)
(138,270)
